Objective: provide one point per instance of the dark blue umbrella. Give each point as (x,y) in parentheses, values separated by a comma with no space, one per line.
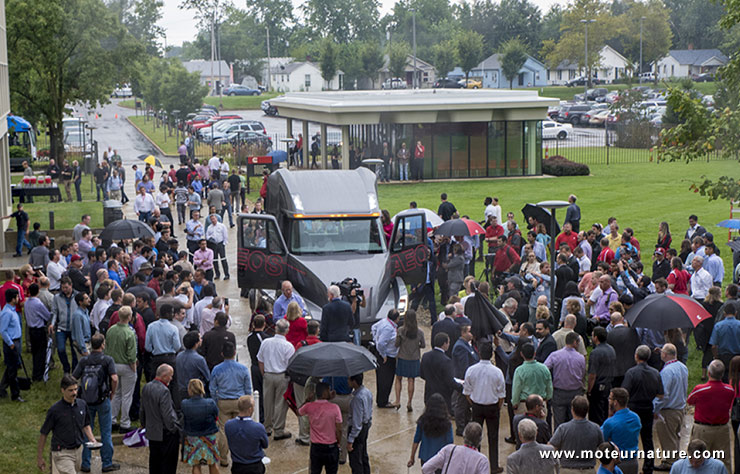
(730,224)
(278,156)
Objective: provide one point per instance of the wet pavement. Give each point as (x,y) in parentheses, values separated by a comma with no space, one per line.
(392,431)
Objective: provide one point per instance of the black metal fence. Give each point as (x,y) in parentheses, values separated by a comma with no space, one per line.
(623,143)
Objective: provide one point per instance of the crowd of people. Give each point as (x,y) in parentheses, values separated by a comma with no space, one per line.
(572,373)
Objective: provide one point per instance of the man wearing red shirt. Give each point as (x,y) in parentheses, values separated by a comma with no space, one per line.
(326,430)
(418,163)
(567,236)
(678,279)
(713,401)
(493,230)
(607,254)
(10,275)
(506,257)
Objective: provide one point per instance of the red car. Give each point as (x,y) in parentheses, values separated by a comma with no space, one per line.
(197,126)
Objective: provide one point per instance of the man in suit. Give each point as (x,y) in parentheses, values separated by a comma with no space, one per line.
(624,340)
(528,458)
(436,370)
(463,356)
(547,343)
(336,318)
(160,420)
(694,228)
(448,326)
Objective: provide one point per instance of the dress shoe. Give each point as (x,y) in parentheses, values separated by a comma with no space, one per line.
(115,427)
(85,468)
(282,436)
(497,470)
(302,442)
(226,277)
(510,440)
(112,467)
(19,400)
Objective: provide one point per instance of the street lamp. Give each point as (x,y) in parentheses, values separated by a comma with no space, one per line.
(552,206)
(413,29)
(585,64)
(641,20)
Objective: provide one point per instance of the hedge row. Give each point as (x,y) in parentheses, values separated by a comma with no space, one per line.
(561,166)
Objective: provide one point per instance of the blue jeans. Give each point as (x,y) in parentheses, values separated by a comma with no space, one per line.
(101,189)
(403,172)
(62,337)
(106,452)
(145,216)
(21,242)
(78,191)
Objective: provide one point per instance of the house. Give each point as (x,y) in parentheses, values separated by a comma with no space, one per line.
(689,62)
(221,72)
(611,66)
(426,72)
(532,73)
(303,76)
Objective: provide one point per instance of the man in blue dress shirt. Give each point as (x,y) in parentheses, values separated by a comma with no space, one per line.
(623,428)
(281,304)
(229,382)
(696,463)
(669,409)
(384,336)
(725,338)
(247,440)
(163,342)
(10,328)
(361,409)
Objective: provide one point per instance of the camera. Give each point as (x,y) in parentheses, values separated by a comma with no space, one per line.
(347,285)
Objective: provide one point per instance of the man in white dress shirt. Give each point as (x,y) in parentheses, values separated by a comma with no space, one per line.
(484,388)
(218,238)
(273,357)
(144,205)
(701,280)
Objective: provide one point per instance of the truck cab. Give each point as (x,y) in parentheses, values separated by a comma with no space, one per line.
(323,226)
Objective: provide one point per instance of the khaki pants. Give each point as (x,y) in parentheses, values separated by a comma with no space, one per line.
(274,386)
(227,410)
(304,433)
(343,402)
(68,190)
(66,461)
(717,438)
(668,425)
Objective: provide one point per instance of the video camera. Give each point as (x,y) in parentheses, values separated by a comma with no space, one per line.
(347,285)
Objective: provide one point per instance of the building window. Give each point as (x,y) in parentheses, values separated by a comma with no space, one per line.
(307,81)
(673,70)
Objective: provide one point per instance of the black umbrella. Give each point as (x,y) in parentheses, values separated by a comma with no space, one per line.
(486,319)
(541,215)
(662,311)
(734,245)
(331,359)
(126,229)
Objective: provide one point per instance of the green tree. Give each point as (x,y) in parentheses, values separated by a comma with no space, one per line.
(513,56)
(62,52)
(276,16)
(445,57)
(371,57)
(435,19)
(398,54)
(469,50)
(695,23)
(329,58)
(141,22)
(350,63)
(342,20)
(551,24)
(657,35)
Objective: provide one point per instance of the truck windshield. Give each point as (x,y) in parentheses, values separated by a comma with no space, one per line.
(309,236)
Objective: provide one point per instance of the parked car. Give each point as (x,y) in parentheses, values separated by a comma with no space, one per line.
(553,112)
(447,84)
(598,118)
(597,94)
(553,130)
(611,97)
(122,91)
(648,76)
(238,89)
(213,120)
(581,81)
(705,77)
(246,138)
(268,109)
(232,126)
(572,113)
(394,83)
(470,83)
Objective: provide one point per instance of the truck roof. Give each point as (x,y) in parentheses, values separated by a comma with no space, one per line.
(325,193)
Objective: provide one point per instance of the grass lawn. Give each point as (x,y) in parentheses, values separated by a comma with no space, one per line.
(240,102)
(66,214)
(567,93)
(157,134)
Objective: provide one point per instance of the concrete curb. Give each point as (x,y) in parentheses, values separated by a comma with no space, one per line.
(150,140)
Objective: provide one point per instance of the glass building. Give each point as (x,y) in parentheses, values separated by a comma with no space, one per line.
(465,133)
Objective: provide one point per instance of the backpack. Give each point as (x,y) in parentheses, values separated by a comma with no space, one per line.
(94,384)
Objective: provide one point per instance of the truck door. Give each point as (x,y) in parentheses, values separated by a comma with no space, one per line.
(262,256)
(409,252)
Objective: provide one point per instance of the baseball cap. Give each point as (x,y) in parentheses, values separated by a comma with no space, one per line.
(75,258)
(515,280)
(659,251)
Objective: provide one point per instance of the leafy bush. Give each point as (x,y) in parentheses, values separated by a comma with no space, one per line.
(561,166)
(19,152)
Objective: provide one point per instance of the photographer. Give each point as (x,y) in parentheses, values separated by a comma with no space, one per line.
(352,294)
(336,318)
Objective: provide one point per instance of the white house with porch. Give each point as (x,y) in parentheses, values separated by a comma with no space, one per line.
(688,62)
(303,76)
(611,66)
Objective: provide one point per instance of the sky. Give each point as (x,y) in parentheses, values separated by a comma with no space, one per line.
(180,25)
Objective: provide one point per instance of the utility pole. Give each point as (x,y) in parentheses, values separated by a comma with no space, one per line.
(587,83)
(414,83)
(641,20)
(219,85)
(269,78)
(213,80)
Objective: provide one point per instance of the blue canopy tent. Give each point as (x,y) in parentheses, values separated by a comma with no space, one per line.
(18,124)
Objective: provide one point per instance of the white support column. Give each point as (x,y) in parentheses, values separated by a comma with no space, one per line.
(306,144)
(324,160)
(345,147)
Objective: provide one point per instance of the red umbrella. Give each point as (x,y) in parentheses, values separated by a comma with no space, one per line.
(455,227)
(662,311)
